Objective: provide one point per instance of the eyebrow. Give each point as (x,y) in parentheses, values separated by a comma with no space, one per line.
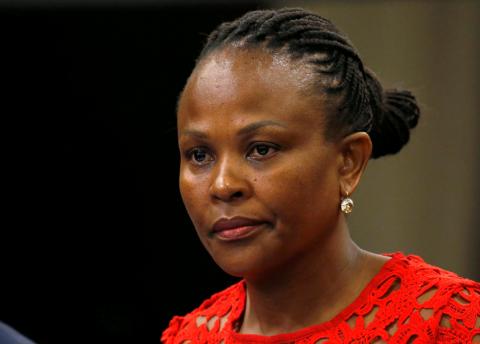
(242,132)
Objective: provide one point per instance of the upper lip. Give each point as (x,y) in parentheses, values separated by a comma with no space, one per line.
(234,222)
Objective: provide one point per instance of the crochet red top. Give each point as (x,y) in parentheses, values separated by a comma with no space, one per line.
(408,301)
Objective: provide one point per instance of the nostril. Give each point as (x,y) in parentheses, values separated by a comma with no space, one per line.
(228,196)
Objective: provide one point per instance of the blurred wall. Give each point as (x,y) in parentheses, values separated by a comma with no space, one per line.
(423,201)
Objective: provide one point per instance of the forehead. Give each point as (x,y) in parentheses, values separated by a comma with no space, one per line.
(232,67)
(247,81)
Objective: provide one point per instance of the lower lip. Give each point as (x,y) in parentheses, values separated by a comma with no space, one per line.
(237,233)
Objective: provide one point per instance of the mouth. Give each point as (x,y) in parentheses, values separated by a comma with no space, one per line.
(236,228)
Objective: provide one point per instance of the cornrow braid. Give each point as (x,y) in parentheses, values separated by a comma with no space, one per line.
(357,101)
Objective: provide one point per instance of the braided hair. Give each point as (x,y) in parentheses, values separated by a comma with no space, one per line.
(360,102)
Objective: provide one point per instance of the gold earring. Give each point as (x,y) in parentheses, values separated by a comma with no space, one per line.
(346,205)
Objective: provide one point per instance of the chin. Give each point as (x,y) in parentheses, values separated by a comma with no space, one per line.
(234,266)
(237,263)
(248,264)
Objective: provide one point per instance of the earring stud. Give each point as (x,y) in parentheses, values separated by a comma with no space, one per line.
(346,205)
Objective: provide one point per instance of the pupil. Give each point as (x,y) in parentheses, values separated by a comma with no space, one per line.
(199,155)
(262,150)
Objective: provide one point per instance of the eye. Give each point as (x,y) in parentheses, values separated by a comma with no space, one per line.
(262,150)
(199,156)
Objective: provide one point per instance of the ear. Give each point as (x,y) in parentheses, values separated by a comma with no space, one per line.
(355,152)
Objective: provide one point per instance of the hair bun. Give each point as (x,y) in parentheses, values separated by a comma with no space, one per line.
(391,130)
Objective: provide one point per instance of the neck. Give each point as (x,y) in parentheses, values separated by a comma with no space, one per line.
(310,290)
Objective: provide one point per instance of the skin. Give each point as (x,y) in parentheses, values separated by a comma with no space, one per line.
(301,267)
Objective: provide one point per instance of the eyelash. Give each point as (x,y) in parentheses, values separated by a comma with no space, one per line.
(189,153)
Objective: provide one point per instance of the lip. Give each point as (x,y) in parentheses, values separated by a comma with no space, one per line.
(236,228)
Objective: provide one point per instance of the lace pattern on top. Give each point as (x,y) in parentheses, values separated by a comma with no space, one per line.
(408,301)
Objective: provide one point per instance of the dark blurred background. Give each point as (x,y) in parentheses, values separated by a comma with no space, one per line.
(95,244)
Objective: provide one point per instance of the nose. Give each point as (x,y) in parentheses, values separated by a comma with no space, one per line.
(229,183)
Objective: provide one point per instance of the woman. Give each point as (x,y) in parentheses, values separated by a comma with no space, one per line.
(276,125)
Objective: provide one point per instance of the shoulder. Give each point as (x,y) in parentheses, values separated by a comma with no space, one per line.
(210,317)
(447,302)
(416,273)
(8,335)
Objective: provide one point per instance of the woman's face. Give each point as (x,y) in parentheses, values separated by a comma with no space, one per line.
(252,146)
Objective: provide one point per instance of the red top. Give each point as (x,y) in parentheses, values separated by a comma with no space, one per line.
(408,301)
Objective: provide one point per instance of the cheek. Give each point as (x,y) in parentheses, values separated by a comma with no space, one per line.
(301,190)
(192,190)
(279,191)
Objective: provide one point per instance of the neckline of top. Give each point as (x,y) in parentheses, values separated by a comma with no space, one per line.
(256,338)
